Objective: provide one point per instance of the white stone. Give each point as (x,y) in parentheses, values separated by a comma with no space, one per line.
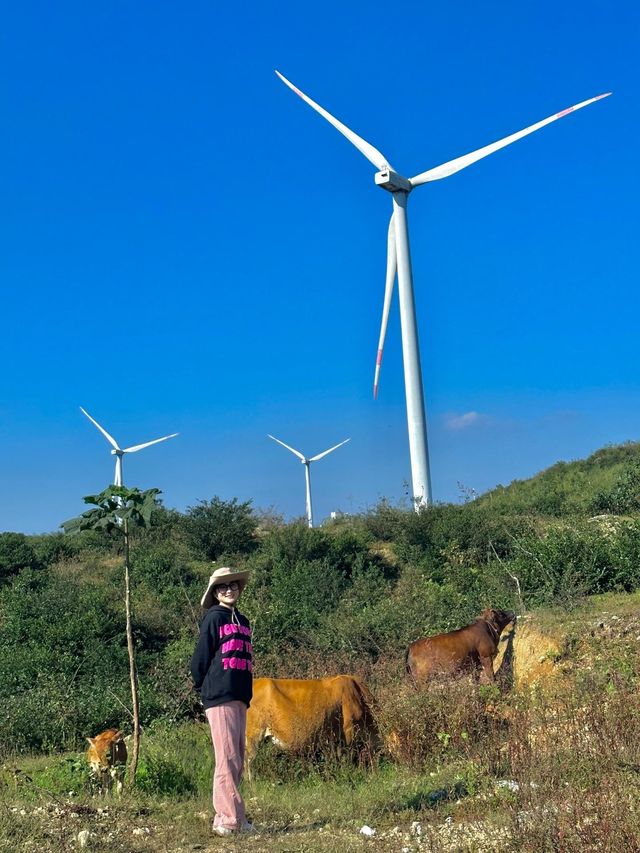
(83,837)
(509,784)
(368,831)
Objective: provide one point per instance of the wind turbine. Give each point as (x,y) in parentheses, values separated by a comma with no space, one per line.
(307,464)
(118,451)
(399,262)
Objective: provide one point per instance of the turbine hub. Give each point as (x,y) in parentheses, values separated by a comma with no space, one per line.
(392,181)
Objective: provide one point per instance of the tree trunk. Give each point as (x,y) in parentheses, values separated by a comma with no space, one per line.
(133,672)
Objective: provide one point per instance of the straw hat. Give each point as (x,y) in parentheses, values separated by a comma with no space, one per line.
(223,575)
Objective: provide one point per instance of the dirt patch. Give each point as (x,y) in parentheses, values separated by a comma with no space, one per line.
(528,655)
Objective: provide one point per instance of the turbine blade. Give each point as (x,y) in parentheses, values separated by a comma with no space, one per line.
(137,447)
(392,266)
(109,438)
(297,452)
(330,450)
(372,154)
(453,166)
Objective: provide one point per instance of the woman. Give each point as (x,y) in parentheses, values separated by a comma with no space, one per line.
(222,668)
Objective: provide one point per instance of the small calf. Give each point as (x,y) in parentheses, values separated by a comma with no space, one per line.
(107,757)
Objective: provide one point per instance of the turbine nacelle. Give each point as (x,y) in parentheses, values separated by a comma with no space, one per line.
(117,452)
(393,182)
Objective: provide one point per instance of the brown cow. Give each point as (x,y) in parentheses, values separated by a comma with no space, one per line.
(468,649)
(107,757)
(292,712)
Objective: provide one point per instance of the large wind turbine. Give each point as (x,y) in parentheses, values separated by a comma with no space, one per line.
(118,451)
(399,261)
(307,463)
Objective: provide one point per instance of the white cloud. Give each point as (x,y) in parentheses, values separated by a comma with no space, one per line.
(465,421)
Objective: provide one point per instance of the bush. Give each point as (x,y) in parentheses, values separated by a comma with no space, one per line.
(16,554)
(61,649)
(215,528)
(475,530)
(385,521)
(53,548)
(382,622)
(301,579)
(623,497)
(567,563)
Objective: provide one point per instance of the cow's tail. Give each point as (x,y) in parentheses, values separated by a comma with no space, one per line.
(368,723)
(407,665)
(409,668)
(366,696)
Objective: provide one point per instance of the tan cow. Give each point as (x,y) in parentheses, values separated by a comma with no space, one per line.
(107,757)
(469,649)
(292,712)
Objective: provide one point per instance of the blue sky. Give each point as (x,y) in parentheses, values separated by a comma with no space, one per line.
(186,246)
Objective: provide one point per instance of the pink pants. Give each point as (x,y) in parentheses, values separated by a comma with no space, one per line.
(228,723)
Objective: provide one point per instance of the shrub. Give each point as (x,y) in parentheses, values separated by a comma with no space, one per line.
(216,527)
(385,521)
(623,497)
(16,554)
(54,548)
(301,580)
(567,563)
(475,530)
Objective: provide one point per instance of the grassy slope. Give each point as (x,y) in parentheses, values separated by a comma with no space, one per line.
(566,487)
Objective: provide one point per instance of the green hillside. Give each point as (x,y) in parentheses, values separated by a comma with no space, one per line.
(607,481)
(346,596)
(495,768)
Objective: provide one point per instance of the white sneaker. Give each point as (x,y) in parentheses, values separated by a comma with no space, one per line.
(222,831)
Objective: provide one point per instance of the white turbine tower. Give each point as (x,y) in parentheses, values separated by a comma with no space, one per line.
(399,261)
(118,451)
(307,464)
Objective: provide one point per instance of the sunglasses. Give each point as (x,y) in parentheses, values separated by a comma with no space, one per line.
(223,587)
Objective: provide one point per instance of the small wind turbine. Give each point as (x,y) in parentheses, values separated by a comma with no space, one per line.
(307,464)
(399,261)
(118,451)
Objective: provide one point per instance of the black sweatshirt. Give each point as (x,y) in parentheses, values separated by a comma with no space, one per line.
(221,665)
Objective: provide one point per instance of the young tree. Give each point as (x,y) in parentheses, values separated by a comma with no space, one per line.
(117,509)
